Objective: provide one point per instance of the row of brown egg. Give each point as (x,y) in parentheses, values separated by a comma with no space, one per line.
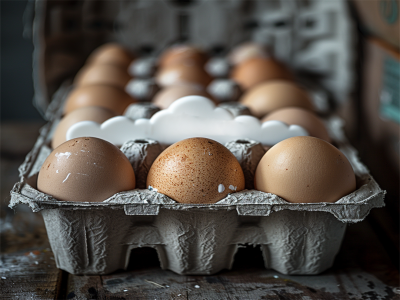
(198,170)
(269,92)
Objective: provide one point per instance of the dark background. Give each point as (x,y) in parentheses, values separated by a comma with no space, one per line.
(16,66)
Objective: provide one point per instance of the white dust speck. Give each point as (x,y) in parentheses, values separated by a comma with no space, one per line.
(83,174)
(232,188)
(167,286)
(125,290)
(221,188)
(179,295)
(209,153)
(275,276)
(3,277)
(59,155)
(66,177)
(36,262)
(196,286)
(152,189)
(56,171)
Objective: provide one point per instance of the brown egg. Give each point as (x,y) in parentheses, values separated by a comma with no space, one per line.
(302,117)
(107,96)
(88,113)
(272,95)
(182,53)
(164,98)
(102,74)
(245,51)
(305,169)
(85,169)
(183,73)
(257,70)
(111,53)
(196,170)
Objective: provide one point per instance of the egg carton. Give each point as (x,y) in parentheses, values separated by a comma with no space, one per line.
(97,238)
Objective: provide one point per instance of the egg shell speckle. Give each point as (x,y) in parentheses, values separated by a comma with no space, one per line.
(196,170)
(85,169)
(305,169)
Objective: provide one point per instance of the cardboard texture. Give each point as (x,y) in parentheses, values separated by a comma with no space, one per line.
(96,238)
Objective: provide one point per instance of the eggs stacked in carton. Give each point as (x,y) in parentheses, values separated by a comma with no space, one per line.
(191,108)
(193,170)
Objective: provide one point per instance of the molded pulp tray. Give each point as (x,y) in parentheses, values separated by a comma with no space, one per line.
(97,238)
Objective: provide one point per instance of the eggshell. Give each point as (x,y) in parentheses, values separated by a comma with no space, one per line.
(164,98)
(299,116)
(85,169)
(107,96)
(88,113)
(111,53)
(257,70)
(196,170)
(272,95)
(246,51)
(305,169)
(102,74)
(182,53)
(183,73)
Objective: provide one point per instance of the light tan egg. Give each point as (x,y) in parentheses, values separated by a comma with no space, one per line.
(85,169)
(245,51)
(254,71)
(107,96)
(88,113)
(305,169)
(108,74)
(302,117)
(183,73)
(196,170)
(111,53)
(164,98)
(178,54)
(272,95)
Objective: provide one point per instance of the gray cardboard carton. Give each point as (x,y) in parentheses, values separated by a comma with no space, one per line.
(97,238)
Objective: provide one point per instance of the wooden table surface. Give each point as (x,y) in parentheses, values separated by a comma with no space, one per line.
(367,266)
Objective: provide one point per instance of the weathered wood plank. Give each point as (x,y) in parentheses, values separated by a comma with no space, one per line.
(29,275)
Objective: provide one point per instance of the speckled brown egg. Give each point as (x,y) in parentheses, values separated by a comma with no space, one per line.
(85,169)
(109,74)
(164,98)
(111,53)
(107,96)
(302,117)
(182,53)
(256,70)
(88,113)
(305,169)
(183,73)
(272,95)
(196,170)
